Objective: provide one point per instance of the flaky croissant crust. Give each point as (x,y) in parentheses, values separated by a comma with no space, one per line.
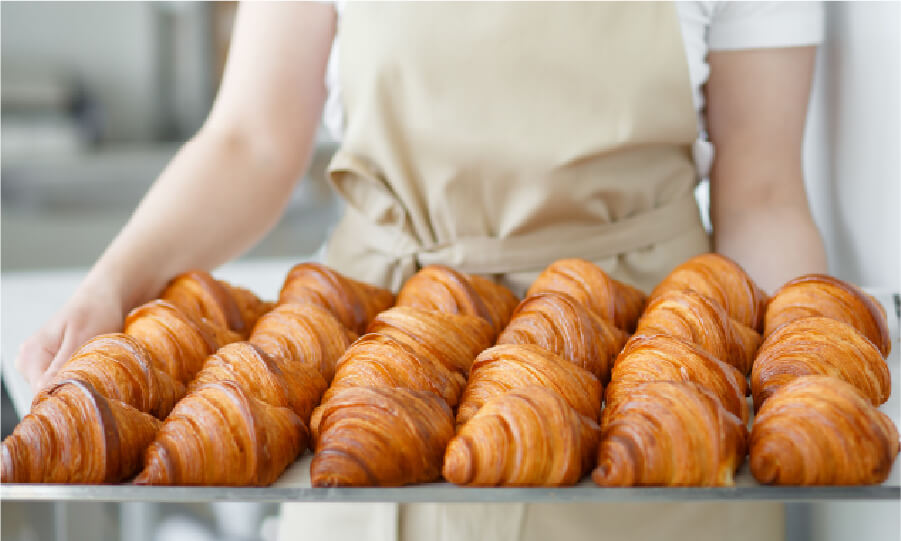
(526,437)
(819,430)
(700,320)
(669,433)
(827,296)
(560,324)
(380,436)
(724,281)
(609,299)
(819,346)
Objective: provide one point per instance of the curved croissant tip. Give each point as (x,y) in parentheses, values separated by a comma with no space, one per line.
(611,472)
(458,462)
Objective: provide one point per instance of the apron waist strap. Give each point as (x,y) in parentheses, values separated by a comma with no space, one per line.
(534,251)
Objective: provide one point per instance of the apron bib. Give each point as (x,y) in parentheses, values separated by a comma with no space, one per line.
(497,138)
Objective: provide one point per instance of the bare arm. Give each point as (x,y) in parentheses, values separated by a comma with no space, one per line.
(223,190)
(756,110)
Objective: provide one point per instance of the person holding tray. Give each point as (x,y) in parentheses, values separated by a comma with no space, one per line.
(493,138)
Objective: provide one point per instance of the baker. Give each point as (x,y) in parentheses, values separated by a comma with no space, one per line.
(494,138)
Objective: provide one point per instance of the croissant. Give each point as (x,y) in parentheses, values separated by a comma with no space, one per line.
(724,281)
(559,324)
(220,435)
(451,339)
(353,303)
(442,289)
(303,333)
(200,296)
(118,367)
(76,435)
(819,430)
(503,368)
(700,320)
(612,300)
(276,382)
(669,433)
(664,358)
(380,436)
(177,343)
(819,345)
(526,437)
(377,360)
(821,295)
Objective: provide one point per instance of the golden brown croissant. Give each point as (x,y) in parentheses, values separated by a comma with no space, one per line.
(76,435)
(303,333)
(503,368)
(220,435)
(442,289)
(664,358)
(819,345)
(200,296)
(118,367)
(453,340)
(702,321)
(669,433)
(610,299)
(378,360)
(353,303)
(821,295)
(724,281)
(560,324)
(177,343)
(819,430)
(277,382)
(530,436)
(380,436)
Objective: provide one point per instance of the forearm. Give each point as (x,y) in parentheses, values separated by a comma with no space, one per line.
(774,241)
(218,196)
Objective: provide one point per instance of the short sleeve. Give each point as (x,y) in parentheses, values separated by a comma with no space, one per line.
(753,25)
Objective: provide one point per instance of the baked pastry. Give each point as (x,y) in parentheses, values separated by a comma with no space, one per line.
(819,430)
(380,437)
(378,360)
(76,435)
(724,281)
(527,437)
(503,368)
(118,367)
(200,296)
(277,382)
(560,324)
(353,303)
(220,435)
(611,300)
(305,334)
(178,344)
(826,296)
(451,339)
(664,358)
(669,433)
(442,289)
(700,320)
(819,345)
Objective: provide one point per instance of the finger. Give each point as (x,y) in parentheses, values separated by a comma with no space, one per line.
(71,340)
(35,354)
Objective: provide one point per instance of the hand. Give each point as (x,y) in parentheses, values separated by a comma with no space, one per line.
(91,311)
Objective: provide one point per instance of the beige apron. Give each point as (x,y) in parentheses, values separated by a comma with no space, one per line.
(497,138)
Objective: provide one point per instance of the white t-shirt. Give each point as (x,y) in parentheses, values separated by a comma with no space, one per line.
(706,26)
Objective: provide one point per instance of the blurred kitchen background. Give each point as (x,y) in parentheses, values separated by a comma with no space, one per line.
(96,98)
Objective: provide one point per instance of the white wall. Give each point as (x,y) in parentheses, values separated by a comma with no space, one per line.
(853,142)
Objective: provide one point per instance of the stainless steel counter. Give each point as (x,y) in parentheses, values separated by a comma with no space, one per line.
(29,298)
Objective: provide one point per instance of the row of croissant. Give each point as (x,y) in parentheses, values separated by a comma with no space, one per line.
(528,410)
